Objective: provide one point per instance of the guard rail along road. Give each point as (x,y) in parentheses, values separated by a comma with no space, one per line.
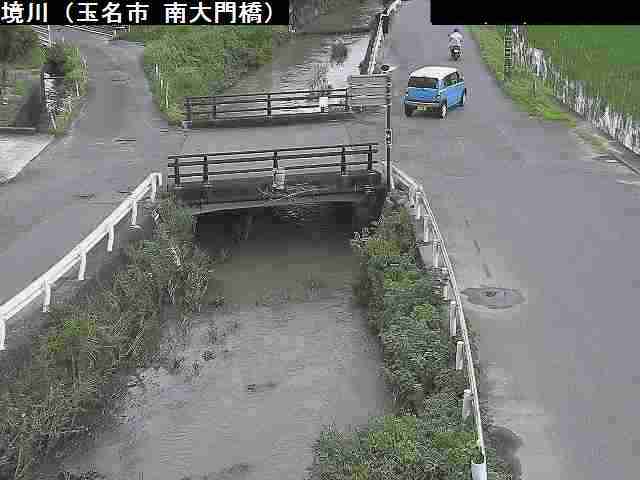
(41,287)
(422,211)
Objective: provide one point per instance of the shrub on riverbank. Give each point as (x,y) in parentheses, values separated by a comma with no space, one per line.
(537,101)
(426,437)
(199,61)
(74,367)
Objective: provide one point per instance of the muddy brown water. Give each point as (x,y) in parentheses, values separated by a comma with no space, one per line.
(293,353)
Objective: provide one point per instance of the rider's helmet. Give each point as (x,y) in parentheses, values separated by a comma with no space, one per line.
(455,30)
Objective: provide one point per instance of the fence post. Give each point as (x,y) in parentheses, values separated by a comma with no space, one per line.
(167,94)
(83,263)
(445,281)
(343,161)
(134,213)
(459,354)
(370,158)
(436,253)
(268,104)
(418,206)
(111,238)
(453,323)
(47,296)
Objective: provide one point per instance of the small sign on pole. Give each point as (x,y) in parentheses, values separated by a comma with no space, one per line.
(389,136)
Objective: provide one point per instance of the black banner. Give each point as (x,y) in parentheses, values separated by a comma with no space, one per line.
(149,12)
(542,12)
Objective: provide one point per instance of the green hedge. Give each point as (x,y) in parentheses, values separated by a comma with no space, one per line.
(74,365)
(425,438)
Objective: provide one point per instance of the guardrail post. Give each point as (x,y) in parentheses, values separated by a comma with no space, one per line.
(134,213)
(426,229)
(187,107)
(268,104)
(370,158)
(3,331)
(466,404)
(445,283)
(205,171)
(418,206)
(436,253)
(343,161)
(111,238)
(153,188)
(83,264)
(215,109)
(47,296)
(453,318)
(176,173)
(459,354)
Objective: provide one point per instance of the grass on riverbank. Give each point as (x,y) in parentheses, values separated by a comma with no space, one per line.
(15,88)
(70,63)
(605,57)
(539,101)
(72,373)
(198,61)
(426,437)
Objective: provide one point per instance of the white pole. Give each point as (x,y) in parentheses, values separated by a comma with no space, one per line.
(153,188)
(452,318)
(436,253)
(426,227)
(466,404)
(77,89)
(83,264)
(167,95)
(111,238)
(47,296)
(3,331)
(459,354)
(134,213)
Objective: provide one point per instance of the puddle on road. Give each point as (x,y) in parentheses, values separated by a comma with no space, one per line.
(494,298)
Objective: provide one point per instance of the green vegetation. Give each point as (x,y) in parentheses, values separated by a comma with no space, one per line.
(605,57)
(199,60)
(74,370)
(425,438)
(532,95)
(20,59)
(65,59)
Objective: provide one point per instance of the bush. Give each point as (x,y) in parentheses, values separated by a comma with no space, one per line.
(72,369)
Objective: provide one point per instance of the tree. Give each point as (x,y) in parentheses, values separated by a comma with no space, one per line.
(15,42)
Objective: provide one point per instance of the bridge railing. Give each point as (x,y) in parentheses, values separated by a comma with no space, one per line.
(421,209)
(263,104)
(207,165)
(42,286)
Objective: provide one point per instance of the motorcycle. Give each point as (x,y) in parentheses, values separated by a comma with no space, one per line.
(456,51)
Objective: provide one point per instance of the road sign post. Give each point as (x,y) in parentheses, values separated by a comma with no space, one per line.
(388,133)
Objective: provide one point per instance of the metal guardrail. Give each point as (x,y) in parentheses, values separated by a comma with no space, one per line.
(44,34)
(270,103)
(421,209)
(380,35)
(274,156)
(43,284)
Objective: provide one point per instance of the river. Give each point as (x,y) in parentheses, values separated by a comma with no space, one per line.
(286,353)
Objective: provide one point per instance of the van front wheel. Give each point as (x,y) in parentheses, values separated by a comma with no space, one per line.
(443,110)
(408,111)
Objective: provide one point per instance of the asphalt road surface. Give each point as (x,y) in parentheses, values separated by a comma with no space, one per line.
(524,205)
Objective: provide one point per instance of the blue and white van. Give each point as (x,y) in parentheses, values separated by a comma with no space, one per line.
(434,89)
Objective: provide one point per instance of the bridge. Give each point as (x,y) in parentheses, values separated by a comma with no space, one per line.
(213,182)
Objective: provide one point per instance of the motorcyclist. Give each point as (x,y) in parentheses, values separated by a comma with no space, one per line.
(455,39)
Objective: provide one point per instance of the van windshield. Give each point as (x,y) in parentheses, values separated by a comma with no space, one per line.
(423,82)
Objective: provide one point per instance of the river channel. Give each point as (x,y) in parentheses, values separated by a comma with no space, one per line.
(286,353)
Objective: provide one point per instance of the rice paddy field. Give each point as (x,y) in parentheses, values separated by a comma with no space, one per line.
(607,58)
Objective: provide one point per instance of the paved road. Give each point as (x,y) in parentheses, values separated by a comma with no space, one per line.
(524,205)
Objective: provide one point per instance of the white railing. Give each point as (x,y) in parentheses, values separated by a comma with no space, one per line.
(421,210)
(44,34)
(380,35)
(42,286)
